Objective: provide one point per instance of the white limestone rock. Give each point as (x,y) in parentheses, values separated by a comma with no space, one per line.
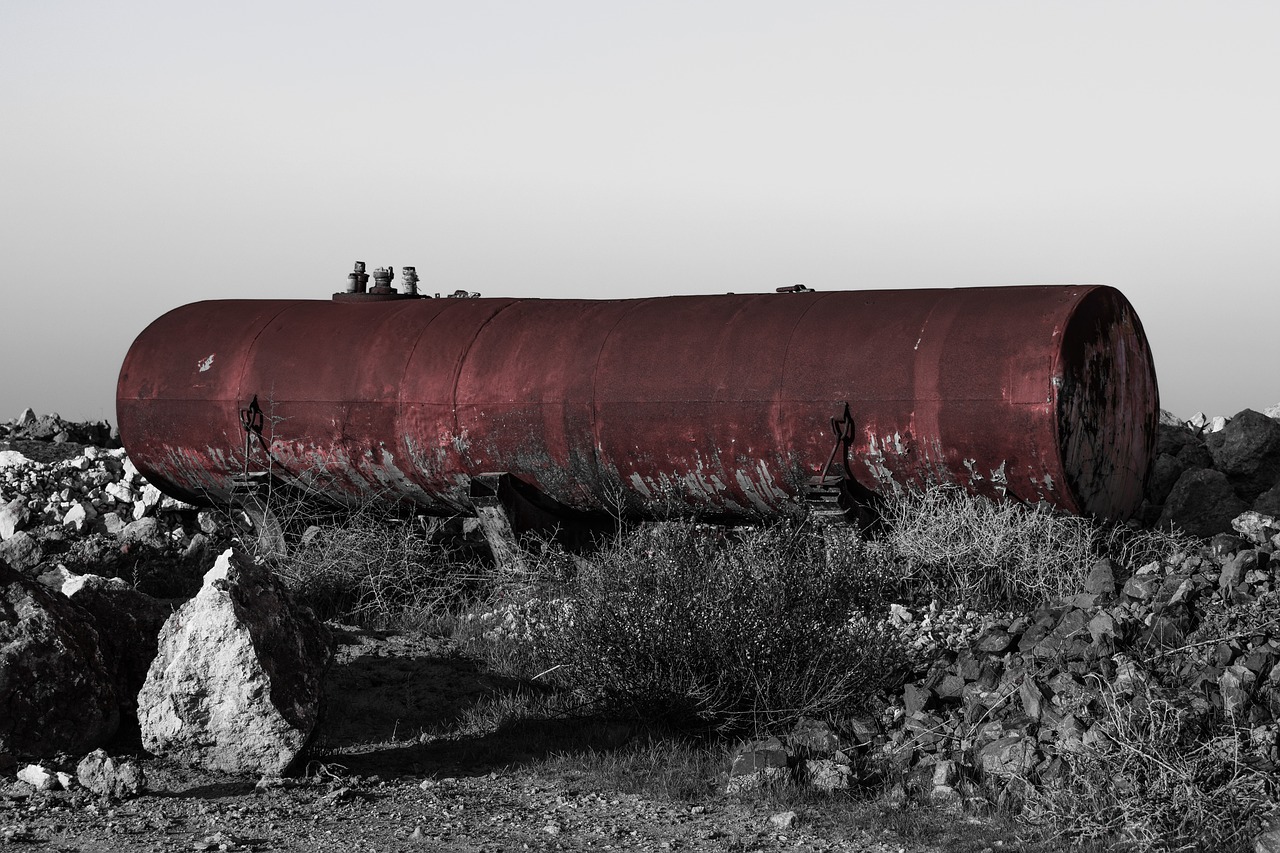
(236,685)
(14,516)
(115,779)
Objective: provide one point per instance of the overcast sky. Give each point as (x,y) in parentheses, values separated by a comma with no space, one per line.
(157,153)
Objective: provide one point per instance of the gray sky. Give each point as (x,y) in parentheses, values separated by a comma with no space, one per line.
(157,153)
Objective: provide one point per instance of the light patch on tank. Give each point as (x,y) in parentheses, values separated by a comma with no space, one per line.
(698,487)
(638,482)
(749,489)
(206,363)
(459,441)
(396,481)
(703,482)
(1041,486)
(874,460)
(999,479)
(767,484)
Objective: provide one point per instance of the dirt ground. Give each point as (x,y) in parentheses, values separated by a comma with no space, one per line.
(385,774)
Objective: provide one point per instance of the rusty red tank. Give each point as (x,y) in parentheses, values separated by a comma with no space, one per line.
(725,407)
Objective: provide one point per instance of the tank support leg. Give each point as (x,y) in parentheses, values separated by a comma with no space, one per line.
(495,523)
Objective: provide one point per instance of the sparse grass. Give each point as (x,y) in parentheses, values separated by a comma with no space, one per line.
(1133,548)
(669,767)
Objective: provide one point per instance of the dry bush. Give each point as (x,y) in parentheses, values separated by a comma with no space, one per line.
(1132,548)
(984,552)
(368,569)
(699,627)
(1166,779)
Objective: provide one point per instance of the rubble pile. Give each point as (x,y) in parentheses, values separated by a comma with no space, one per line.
(52,428)
(1209,470)
(1197,631)
(93,512)
(87,652)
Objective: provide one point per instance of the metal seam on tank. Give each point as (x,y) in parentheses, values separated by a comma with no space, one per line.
(408,361)
(248,351)
(596,445)
(462,359)
(749,301)
(1058,369)
(776,402)
(408,440)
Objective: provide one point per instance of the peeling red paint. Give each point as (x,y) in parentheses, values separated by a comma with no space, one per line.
(715,405)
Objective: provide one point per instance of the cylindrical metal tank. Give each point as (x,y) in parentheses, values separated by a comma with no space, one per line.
(716,406)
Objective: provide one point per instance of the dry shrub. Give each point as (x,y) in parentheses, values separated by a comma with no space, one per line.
(372,570)
(1132,548)
(699,627)
(1166,779)
(984,552)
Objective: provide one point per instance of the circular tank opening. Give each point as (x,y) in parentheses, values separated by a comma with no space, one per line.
(1108,405)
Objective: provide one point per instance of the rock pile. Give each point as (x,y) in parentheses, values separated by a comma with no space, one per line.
(1197,631)
(76,646)
(93,512)
(1208,471)
(52,428)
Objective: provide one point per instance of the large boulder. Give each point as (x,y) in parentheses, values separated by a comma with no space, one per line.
(1268,503)
(1247,450)
(236,685)
(1165,472)
(57,693)
(128,623)
(13,517)
(1178,450)
(1172,437)
(22,552)
(1202,503)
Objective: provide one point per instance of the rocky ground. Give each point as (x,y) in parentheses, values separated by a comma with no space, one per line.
(390,767)
(386,768)
(375,781)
